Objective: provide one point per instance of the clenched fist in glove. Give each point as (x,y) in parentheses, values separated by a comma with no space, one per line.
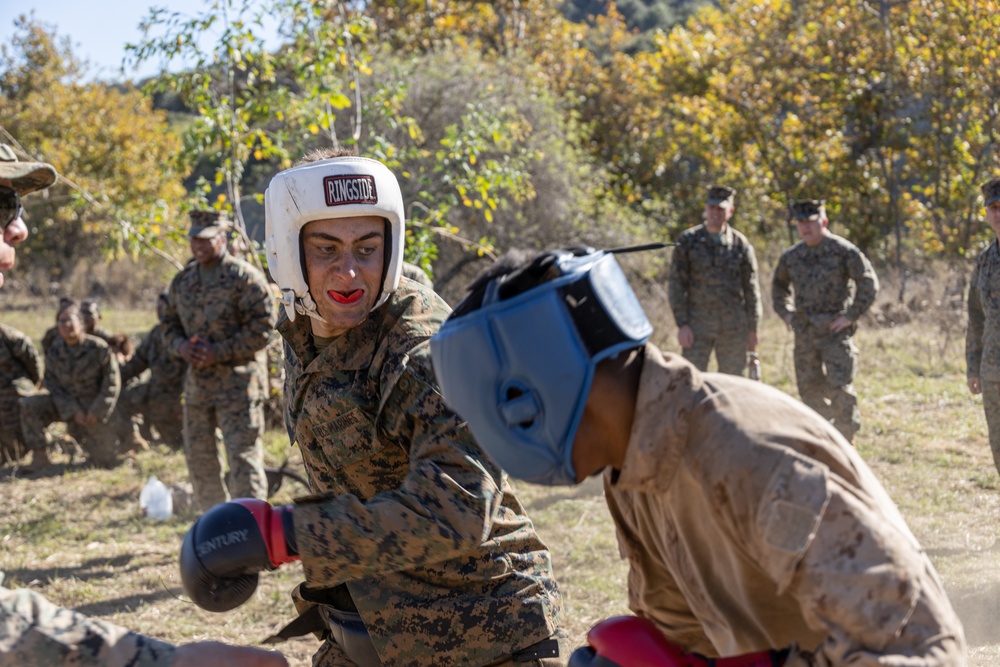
(631,641)
(228,545)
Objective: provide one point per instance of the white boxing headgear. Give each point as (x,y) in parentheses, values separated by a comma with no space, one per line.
(340,187)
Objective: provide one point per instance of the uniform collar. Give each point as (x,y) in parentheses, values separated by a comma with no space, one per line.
(353,350)
(725,236)
(667,391)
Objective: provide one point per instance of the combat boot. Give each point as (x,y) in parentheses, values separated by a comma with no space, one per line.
(39,461)
(134,443)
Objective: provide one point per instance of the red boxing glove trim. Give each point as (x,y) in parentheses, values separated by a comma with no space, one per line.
(637,642)
(269,521)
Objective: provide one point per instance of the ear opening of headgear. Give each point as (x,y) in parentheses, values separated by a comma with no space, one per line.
(519,369)
(340,187)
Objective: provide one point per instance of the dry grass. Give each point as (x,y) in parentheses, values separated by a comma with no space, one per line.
(77,536)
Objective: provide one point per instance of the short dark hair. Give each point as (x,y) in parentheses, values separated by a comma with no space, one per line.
(68,304)
(517,271)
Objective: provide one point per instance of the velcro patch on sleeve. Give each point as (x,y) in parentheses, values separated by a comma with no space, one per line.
(790,514)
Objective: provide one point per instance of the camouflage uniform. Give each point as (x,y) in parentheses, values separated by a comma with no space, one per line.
(414,272)
(714,290)
(748,524)
(19,361)
(982,339)
(439,558)
(78,378)
(36,633)
(234,312)
(155,395)
(825,361)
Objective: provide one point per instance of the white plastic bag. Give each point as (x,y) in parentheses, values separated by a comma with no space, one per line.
(155,500)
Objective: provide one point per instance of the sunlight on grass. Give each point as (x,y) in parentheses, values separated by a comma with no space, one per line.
(79,537)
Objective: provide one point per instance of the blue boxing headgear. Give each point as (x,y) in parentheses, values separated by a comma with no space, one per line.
(519,369)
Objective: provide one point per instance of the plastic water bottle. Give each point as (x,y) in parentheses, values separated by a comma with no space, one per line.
(155,500)
(754,371)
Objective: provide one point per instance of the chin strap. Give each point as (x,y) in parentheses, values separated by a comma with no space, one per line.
(305,305)
(295,305)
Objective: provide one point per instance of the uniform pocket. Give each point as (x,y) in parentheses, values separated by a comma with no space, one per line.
(347,438)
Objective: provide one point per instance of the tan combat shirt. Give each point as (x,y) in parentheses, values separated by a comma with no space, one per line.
(749,523)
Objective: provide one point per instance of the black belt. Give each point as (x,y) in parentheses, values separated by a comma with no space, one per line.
(348,631)
(547,648)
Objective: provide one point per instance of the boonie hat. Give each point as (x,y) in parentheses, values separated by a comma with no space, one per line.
(24,177)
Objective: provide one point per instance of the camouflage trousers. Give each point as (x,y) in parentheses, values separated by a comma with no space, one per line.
(99,441)
(11,442)
(991,406)
(730,350)
(242,424)
(825,366)
(160,410)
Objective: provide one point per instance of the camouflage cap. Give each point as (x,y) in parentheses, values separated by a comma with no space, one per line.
(808,209)
(720,194)
(991,191)
(206,223)
(91,308)
(24,177)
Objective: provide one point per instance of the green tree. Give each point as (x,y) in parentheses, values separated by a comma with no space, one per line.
(317,90)
(119,181)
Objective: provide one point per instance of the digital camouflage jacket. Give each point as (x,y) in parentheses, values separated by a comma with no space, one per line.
(82,378)
(36,633)
(821,278)
(713,283)
(235,313)
(982,338)
(18,359)
(443,564)
(166,369)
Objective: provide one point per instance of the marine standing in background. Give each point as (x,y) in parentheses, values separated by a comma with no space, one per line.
(982,338)
(20,365)
(714,291)
(820,270)
(219,318)
(157,395)
(82,384)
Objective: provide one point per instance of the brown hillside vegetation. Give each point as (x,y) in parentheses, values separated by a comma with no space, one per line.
(77,535)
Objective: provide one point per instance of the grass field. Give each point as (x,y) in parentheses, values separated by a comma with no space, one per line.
(77,535)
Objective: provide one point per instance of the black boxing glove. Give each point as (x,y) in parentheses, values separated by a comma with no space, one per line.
(228,545)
